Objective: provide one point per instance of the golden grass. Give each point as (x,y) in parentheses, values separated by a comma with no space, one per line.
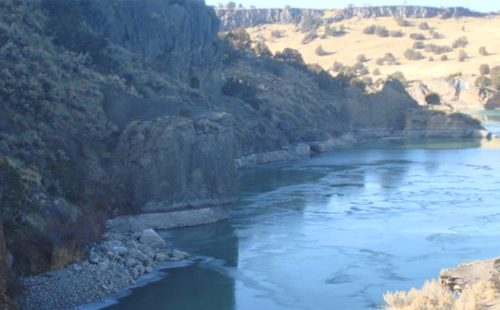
(479,32)
(434,296)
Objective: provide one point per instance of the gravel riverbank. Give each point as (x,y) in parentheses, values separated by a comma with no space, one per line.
(115,263)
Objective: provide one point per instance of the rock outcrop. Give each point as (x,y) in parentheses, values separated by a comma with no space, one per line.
(459,93)
(245,18)
(176,163)
(179,36)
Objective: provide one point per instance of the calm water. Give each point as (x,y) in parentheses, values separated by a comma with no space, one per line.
(337,231)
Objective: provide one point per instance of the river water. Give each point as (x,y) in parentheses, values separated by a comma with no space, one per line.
(339,230)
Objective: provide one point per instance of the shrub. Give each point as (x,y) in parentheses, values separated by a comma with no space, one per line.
(333,31)
(308,38)
(483,81)
(337,66)
(483,51)
(370,29)
(444,58)
(412,54)
(376,71)
(320,51)
(382,31)
(462,56)
(437,35)
(361,58)
(242,89)
(355,82)
(290,56)
(402,22)
(380,61)
(433,98)
(367,81)
(417,36)
(460,42)
(418,45)
(390,59)
(424,26)
(363,72)
(438,49)
(397,34)
(431,59)
(276,34)
(433,295)
(399,76)
(484,69)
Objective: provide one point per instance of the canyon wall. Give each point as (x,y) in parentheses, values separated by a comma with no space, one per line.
(245,18)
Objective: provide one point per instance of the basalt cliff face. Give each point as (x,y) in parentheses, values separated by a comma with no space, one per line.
(106,111)
(245,18)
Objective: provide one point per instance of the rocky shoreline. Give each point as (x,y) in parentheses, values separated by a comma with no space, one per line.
(117,262)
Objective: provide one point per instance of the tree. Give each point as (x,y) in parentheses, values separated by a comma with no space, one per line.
(433,98)
(484,69)
(231,5)
(483,51)
(462,56)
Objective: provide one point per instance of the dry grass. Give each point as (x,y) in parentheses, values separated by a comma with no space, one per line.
(479,32)
(434,296)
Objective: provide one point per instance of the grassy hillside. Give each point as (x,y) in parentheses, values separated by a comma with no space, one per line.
(345,48)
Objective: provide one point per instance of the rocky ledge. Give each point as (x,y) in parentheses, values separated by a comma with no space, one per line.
(116,262)
(245,18)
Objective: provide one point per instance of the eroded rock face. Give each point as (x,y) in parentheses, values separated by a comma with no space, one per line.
(180,36)
(176,162)
(459,93)
(245,18)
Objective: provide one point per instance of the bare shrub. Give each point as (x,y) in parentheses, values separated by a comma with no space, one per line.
(483,51)
(417,36)
(435,296)
(412,54)
(462,56)
(424,26)
(460,42)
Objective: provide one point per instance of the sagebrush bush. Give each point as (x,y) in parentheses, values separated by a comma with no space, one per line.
(311,36)
(418,45)
(444,58)
(397,34)
(424,26)
(434,296)
(417,36)
(460,42)
(402,22)
(484,69)
(337,66)
(361,58)
(462,56)
(438,49)
(320,51)
(412,54)
(483,51)
(376,71)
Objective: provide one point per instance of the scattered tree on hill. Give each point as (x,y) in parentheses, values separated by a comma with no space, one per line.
(483,51)
(433,98)
(444,58)
(399,76)
(483,81)
(337,66)
(417,36)
(437,35)
(484,69)
(412,54)
(290,56)
(308,38)
(462,56)
(402,22)
(397,34)
(361,58)
(418,45)
(460,42)
(320,51)
(424,26)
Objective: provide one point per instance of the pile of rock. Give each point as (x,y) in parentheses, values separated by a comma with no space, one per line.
(114,263)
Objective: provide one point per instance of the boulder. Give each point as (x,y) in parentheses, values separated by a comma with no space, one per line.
(151,238)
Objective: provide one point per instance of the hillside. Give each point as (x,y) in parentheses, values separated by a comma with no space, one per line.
(344,47)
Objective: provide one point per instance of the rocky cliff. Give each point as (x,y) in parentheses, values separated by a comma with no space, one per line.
(179,36)
(245,18)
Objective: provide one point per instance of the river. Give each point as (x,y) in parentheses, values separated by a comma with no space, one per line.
(337,231)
